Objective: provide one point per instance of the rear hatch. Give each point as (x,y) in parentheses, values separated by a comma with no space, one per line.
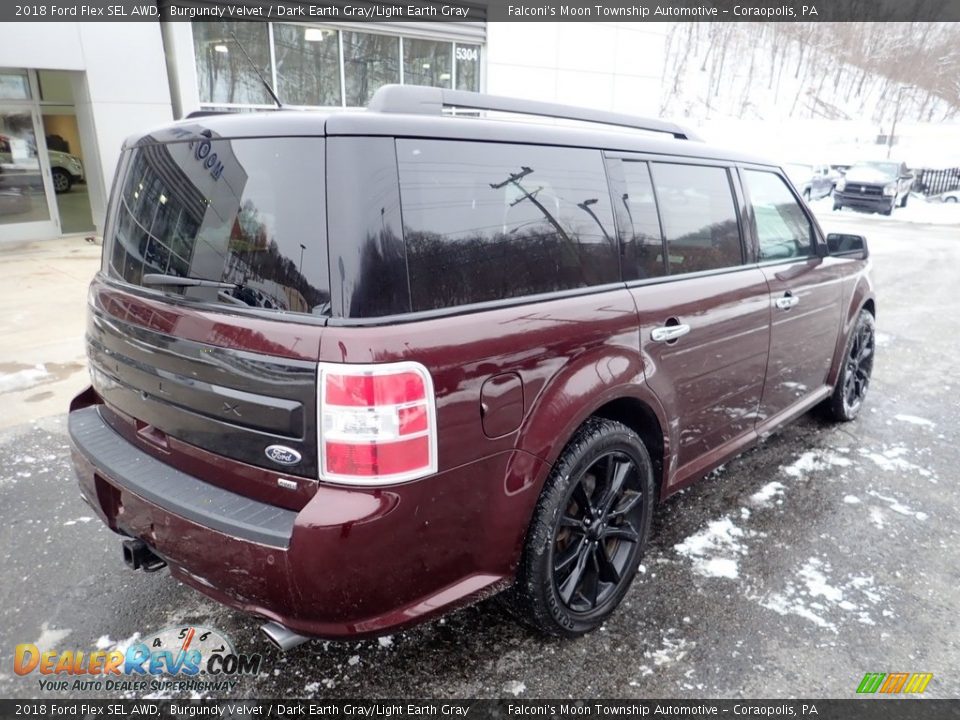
(205,322)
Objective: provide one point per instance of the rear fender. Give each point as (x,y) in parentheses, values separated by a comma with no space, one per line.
(581,388)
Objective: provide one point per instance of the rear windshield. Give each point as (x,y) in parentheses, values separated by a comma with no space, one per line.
(236,222)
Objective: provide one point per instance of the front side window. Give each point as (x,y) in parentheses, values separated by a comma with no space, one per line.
(485,221)
(699,217)
(783,230)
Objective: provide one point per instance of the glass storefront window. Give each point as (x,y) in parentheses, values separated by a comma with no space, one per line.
(468,67)
(223,72)
(427,62)
(22,197)
(14,85)
(320,67)
(308,65)
(369,61)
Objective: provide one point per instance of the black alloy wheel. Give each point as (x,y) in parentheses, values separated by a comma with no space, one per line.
(854,377)
(598,533)
(588,531)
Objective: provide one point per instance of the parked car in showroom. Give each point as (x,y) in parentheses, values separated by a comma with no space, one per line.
(490,349)
(813,181)
(879,186)
(65,169)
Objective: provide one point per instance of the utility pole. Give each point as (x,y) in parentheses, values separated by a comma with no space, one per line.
(585,206)
(514,179)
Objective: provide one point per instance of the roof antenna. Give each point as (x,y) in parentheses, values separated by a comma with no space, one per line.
(256,70)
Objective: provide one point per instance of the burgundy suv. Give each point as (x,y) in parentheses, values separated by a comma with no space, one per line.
(353,370)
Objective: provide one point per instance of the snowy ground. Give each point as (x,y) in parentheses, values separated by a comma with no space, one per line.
(919,210)
(822,554)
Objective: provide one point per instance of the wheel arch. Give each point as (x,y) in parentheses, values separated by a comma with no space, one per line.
(630,402)
(862,298)
(640,417)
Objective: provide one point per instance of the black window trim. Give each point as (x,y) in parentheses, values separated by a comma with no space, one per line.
(471,308)
(819,246)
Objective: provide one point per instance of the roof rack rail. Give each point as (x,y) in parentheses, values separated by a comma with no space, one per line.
(419,100)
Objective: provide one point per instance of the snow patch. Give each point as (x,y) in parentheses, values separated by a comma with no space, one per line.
(891,460)
(898,507)
(23,379)
(914,420)
(767,493)
(50,637)
(673,650)
(851,499)
(816,596)
(814,461)
(83,519)
(385,641)
(515,687)
(715,550)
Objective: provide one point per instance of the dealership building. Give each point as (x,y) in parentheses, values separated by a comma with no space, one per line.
(75,91)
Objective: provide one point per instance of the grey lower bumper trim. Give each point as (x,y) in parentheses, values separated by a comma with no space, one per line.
(175,491)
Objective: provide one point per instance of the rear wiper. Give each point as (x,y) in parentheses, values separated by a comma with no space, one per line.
(177,281)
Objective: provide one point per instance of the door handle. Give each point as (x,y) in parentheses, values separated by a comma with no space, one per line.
(669,332)
(787,301)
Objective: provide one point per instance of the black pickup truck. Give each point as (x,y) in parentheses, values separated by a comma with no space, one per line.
(876,185)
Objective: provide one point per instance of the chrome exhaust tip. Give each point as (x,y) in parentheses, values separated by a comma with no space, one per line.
(281,637)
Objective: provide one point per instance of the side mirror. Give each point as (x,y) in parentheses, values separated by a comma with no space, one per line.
(848,245)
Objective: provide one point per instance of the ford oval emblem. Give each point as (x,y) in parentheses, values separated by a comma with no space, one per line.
(282,455)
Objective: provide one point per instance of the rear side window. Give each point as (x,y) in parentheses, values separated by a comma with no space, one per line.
(783,229)
(699,217)
(245,217)
(485,221)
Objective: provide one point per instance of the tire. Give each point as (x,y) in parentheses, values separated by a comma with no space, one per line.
(854,377)
(807,195)
(889,210)
(837,206)
(951,200)
(62,182)
(570,579)
(903,203)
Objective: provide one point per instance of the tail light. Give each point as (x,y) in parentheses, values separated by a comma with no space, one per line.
(377,424)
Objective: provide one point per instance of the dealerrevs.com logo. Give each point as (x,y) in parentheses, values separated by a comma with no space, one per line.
(175,659)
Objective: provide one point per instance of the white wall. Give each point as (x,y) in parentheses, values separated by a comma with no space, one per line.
(121,87)
(608,66)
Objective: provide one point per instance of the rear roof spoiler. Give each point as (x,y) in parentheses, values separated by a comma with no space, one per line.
(418,100)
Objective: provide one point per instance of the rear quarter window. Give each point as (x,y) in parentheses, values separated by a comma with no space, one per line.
(485,221)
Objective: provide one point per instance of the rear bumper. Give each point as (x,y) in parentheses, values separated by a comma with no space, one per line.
(353,562)
(864,202)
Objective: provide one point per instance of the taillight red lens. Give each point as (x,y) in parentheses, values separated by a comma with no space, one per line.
(375,459)
(377,423)
(366,390)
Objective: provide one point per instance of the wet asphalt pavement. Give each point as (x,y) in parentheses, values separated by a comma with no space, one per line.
(822,554)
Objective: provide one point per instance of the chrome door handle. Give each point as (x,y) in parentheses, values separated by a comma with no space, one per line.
(669,332)
(787,301)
